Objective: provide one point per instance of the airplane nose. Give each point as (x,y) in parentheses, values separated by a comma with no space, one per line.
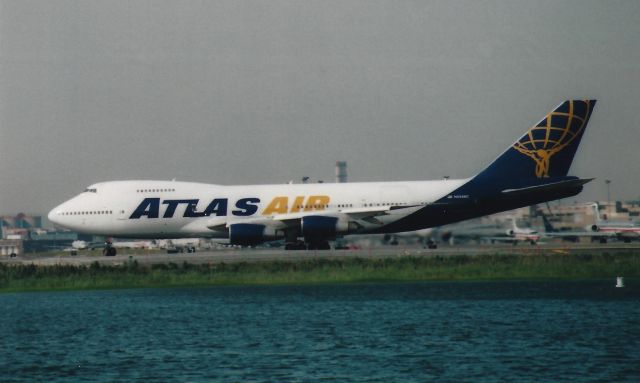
(55,215)
(52,216)
(60,215)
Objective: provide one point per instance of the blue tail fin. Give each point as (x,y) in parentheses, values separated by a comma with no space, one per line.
(546,149)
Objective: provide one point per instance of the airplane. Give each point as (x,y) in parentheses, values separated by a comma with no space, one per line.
(519,234)
(490,233)
(134,244)
(602,229)
(422,236)
(307,216)
(469,231)
(76,246)
(625,231)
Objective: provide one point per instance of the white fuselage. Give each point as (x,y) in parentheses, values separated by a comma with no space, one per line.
(527,172)
(185,209)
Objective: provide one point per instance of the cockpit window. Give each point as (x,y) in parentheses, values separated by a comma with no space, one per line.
(90,190)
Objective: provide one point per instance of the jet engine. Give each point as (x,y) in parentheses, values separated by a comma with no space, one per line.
(251,234)
(326,227)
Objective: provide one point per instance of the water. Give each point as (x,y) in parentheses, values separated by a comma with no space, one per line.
(415,332)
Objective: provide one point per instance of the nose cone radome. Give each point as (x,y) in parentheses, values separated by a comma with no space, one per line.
(54,216)
(57,217)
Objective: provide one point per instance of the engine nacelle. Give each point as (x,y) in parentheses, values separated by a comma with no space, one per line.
(595,228)
(251,234)
(510,233)
(325,227)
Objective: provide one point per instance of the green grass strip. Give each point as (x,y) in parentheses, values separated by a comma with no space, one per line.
(320,270)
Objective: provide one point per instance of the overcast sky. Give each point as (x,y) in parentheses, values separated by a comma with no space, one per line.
(247,92)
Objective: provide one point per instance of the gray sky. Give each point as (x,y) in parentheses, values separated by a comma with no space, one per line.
(244,92)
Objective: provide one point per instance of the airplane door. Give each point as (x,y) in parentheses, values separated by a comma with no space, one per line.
(122,215)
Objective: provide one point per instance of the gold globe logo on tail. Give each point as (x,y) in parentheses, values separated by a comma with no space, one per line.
(554,133)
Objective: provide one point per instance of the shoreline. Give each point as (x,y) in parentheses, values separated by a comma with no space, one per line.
(96,276)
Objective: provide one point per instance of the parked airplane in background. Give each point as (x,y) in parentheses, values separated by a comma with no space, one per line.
(532,170)
(77,245)
(519,234)
(625,231)
(423,237)
(602,230)
(490,233)
(464,232)
(108,246)
(135,244)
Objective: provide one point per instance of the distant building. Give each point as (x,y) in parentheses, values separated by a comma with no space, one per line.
(24,234)
(10,247)
(41,240)
(21,221)
(341,171)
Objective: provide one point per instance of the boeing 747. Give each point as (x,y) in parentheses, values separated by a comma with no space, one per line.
(307,216)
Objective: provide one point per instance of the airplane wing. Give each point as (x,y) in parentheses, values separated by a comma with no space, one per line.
(365,216)
(501,239)
(595,234)
(78,246)
(354,213)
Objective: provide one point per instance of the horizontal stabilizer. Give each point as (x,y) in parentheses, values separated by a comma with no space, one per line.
(550,187)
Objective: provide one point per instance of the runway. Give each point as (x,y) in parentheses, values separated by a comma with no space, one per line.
(226,255)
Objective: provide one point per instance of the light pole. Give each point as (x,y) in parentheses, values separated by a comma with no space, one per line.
(608,182)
